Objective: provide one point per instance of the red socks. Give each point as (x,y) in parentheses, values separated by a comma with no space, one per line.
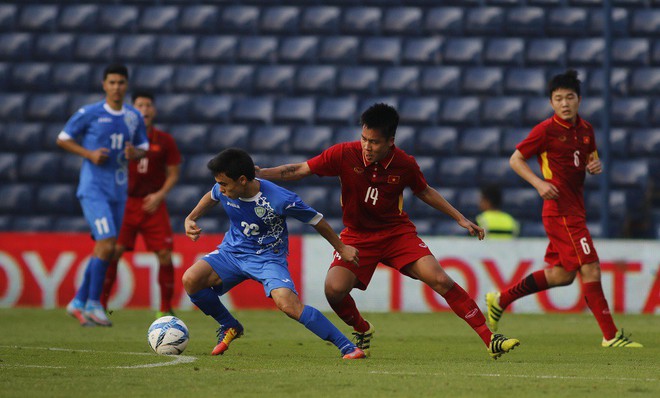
(593,295)
(532,283)
(108,282)
(463,306)
(348,312)
(166,282)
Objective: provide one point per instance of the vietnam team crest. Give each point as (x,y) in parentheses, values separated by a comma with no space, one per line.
(259,211)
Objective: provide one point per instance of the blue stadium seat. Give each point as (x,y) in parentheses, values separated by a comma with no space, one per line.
(118,18)
(630,111)
(8,166)
(156,78)
(6,221)
(72,77)
(176,48)
(467,201)
(483,80)
(461,110)
(194,78)
(361,20)
(23,137)
(315,196)
(436,141)
(550,52)
(463,50)
(5,72)
(39,166)
(57,199)
(257,49)
(159,19)
(96,48)
(482,141)
(16,199)
(592,111)
(429,167)
(31,76)
(538,109)
(405,138)
(381,50)
(567,21)
(419,110)
(70,168)
(173,107)
(346,134)
(497,171)
(221,49)
(336,110)
(618,81)
(40,17)
(316,79)
(190,138)
(645,22)
(33,224)
(280,19)
(55,47)
(70,224)
(271,139)
(588,51)
(402,21)
(240,19)
(77,101)
(400,79)
(79,18)
(15,46)
(194,170)
(8,16)
(458,171)
(320,19)
(258,110)
(12,106)
(645,81)
(630,51)
(655,113)
(227,136)
(484,21)
(299,110)
(619,17)
(422,210)
(275,78)
(298,49)
(449,228)
(341,49)
(502,111)
(136,48)
(183,198)
(422,50)
(505,51)
(522,202)
(532,229)
(619,146)
(617,203)
(49,136)
(358,79)
(441,80)
(525,21)
(47,107)
(199,19)
(629,173)
(444,20)
(311,139)
(235,78)
(212,108)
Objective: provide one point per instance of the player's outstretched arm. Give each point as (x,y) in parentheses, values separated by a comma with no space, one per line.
(286,172)
(346,252)
(193,231)
(519,164)
(434,199)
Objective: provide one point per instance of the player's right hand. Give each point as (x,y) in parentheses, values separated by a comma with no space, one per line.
(349,254)
(98,156)
(192,230)
(548,191)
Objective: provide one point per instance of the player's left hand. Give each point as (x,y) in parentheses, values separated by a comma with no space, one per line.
(594,166)
(132,152)
(472,228)
(151,202)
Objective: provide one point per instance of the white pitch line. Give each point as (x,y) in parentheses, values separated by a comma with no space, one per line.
(177,359)
(517,376)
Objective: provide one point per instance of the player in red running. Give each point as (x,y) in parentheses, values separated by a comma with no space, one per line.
(373,174)
(565,147)
(149,181)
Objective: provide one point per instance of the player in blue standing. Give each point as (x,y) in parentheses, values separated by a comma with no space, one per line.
(256,247)
(110,132)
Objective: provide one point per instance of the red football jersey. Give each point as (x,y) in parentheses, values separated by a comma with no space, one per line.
(147,175)
(371,193)
(563,151)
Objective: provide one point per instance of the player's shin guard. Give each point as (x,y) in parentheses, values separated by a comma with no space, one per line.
(593,295)
(166,282)
(108,282)
(318,324)
(532,283)
(348,312)
(463,306)
(209,302)
(97,277)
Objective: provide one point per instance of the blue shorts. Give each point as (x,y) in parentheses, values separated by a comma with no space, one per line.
(104,218)
(233,268)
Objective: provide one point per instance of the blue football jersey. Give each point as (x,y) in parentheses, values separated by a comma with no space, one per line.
(258,224)
(98,126)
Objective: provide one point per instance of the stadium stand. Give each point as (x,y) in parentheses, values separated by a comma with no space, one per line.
(280,19)
(320,20)
(199,19)
(298,110)
(298,49)
(239,19)
(316,79)
(161,19)
(402,21)
(426,50)
(212,108)
(444,20)
(58,46)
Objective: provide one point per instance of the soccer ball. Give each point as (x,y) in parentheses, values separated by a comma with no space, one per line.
(168,336)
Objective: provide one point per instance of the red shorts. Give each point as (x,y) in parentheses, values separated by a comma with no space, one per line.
(393,249)
(155,228)
(570,244)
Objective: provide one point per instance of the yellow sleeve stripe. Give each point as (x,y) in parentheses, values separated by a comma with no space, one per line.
(545,166)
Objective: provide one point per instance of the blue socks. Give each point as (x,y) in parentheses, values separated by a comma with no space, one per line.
(98,268)
(83,290)
(209,302)
(318,324)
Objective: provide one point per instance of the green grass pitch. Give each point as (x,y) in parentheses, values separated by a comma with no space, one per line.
(45,353)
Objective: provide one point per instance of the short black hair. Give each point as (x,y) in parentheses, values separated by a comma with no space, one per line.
(567,80)
(119,69)
(142,94)
(493,194)
(233,162)
(381,117)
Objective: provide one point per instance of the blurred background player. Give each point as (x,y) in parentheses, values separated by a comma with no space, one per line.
(149,181)
(373,174)
(256,247)
(109,132)
(565,147)
(497,223)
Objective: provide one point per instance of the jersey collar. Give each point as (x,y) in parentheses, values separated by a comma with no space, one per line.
(253,198)
(112,111)
(563,123)
(385,162)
